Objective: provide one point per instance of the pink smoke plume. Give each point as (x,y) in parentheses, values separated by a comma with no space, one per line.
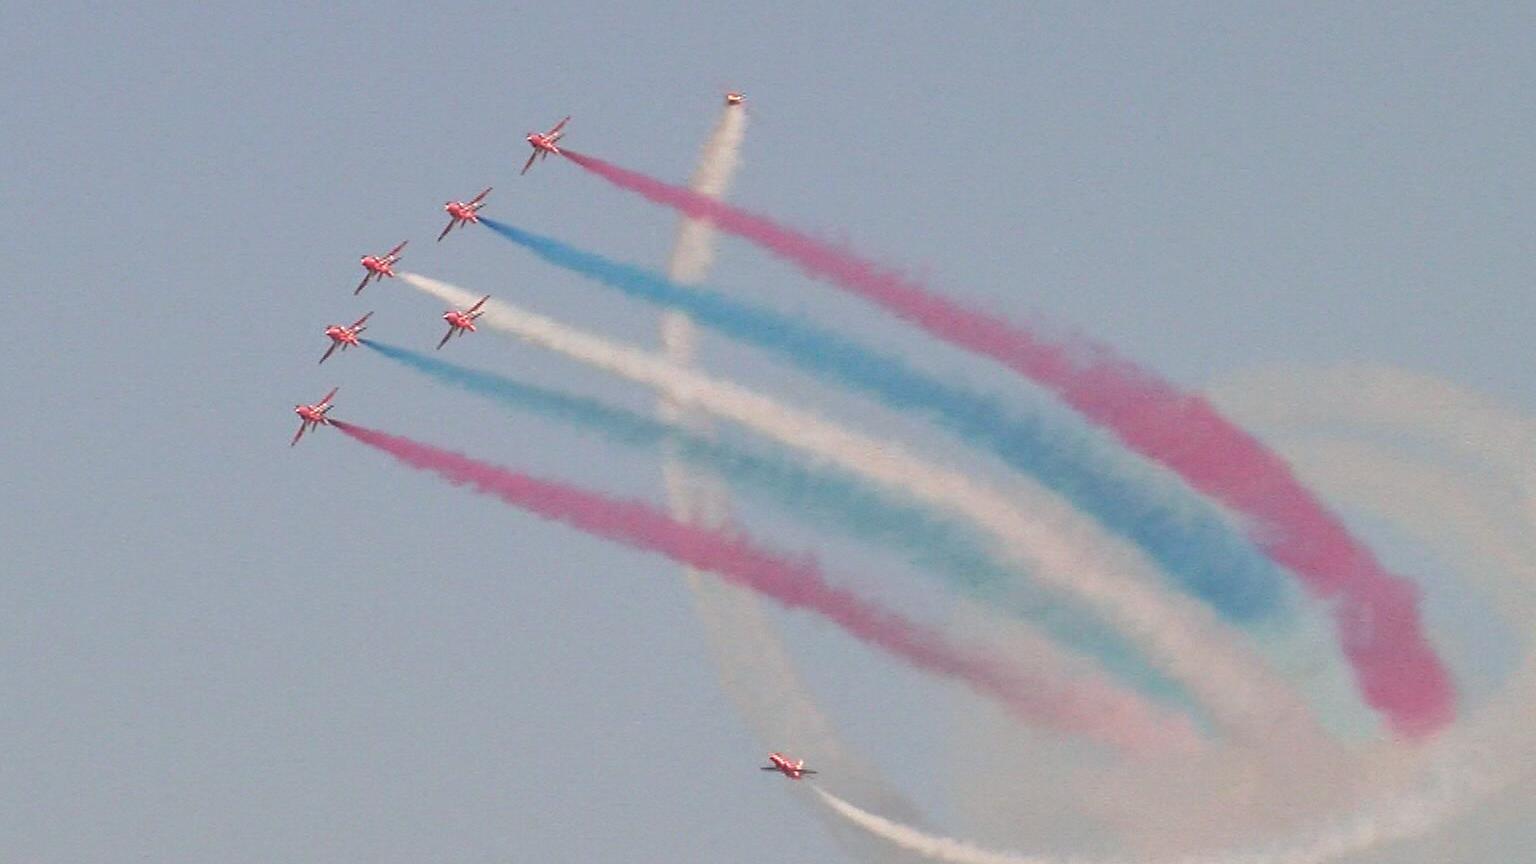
(1090,707)
(1375,612)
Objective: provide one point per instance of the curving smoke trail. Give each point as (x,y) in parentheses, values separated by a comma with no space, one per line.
(1037,531)
(795,583)
(828,498)
(1445,789)
(1192,541)
(1465,507)
(1376,612)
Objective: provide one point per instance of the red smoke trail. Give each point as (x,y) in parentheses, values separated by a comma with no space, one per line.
(1375,611)
(1090,708)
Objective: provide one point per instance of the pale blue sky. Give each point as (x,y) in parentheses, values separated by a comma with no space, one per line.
(219,649)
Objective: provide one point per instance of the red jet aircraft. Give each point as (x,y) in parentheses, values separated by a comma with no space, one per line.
(793,770)
(379,266)
(735,97)
(462,212)
(312,416)
(462,320)
(544,144)
(341,336)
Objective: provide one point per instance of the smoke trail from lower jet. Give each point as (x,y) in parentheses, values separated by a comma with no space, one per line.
(1454,510)
(1037,530)
(1376,612)
(795,583)
(1444,789)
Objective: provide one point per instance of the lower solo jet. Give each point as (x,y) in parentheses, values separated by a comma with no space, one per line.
(793,770)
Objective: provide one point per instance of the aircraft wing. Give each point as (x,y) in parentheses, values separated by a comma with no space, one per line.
(451,223)
(359,322)
(328,397)
(446,337)
(395,252)
(478,304)
(559,126)
(329,351)
(297,435)
(529,164)
(361,285)
(478,198)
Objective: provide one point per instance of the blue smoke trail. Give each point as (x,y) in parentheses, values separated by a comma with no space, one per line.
(825,497)
(1190,540)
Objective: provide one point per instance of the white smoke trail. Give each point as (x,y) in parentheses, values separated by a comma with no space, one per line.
(1440,792)
(1035,528)
(693,251)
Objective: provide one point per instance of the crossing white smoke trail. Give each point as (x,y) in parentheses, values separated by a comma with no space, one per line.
(1063,549)
(755,670)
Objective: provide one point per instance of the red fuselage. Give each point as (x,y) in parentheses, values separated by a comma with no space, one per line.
(313,415)
(462,212)
(342,335)
(540,141)
(460,320)
(378,266)
(781,763)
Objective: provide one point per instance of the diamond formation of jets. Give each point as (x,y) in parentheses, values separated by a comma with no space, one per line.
(313,416)
(462,320)
(780,763)
(544,143)
(341,337)
(463,212)
(379,266)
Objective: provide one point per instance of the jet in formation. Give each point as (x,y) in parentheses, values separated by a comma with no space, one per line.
(464,212)
(544,143)
(379,266)
(342,337)
(313,416)
(462,320)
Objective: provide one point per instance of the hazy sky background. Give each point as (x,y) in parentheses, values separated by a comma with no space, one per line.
(215,648)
